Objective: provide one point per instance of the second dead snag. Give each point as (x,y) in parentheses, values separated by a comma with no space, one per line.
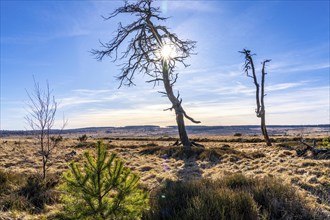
(153,50)
(260,111)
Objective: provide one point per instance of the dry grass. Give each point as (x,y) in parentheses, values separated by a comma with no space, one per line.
(232,197)
(147,157)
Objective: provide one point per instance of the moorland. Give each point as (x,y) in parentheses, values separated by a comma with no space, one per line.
(149,152)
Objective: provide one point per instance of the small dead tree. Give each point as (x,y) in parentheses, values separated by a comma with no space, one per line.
(41,118)
(153,50)
(260,111)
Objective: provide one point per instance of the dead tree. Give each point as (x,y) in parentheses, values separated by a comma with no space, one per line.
(153,50)
(260,111)
(41,118)
(320,153)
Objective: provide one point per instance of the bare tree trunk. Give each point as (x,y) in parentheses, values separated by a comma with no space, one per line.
(44,168)
(264,128)
(176,105)
(182,131)
(262,111)
(43,151)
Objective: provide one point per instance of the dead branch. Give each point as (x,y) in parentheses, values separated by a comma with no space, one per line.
(145,39)
(197,144)
(315,151)
(190,118)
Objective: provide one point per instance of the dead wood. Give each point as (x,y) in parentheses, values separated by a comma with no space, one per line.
(321,153)
(146,38)
(260,111)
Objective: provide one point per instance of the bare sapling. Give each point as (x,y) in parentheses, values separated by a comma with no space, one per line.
(40,118)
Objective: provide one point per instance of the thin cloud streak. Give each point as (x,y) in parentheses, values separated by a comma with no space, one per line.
(285,86)
(287,68)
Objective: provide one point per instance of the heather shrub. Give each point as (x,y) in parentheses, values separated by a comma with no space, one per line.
(208,154)
(4,183)
(26,193)
(280,201)
(201,199)
(83,138)
(232,197)
(39,192)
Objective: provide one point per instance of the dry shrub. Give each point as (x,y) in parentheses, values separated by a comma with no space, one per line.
(145,168)
(308,164)
(287,145)
(39,192)
(233,197)
(5,179)
(321,191)
(210,155)
(281,201)
(9,182)
(18,192)
(201,199)
(84,145)
(214,154)
(152,144)
(257,154)
(82,138)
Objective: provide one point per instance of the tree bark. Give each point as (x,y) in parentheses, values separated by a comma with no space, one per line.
(262,111)
(182,130)
(176,105)
(264,128)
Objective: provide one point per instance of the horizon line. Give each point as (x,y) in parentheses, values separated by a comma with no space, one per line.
(187,126)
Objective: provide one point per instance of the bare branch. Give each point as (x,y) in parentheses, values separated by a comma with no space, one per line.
(168,109)
(249,65)
(41,118)
(164,94)
(142,54)
(145,39)
(190,118)
(155,80)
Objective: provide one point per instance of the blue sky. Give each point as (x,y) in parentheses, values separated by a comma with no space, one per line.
(52,39)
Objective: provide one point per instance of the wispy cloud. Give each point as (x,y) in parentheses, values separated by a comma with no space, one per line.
(289,68)
(285,86)
(105,97)
(87,96)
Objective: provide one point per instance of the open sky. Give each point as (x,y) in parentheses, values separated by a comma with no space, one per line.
(52,39)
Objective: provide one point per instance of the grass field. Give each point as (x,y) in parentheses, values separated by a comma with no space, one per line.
(157,161)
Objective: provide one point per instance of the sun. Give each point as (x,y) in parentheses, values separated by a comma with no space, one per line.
(167,52)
